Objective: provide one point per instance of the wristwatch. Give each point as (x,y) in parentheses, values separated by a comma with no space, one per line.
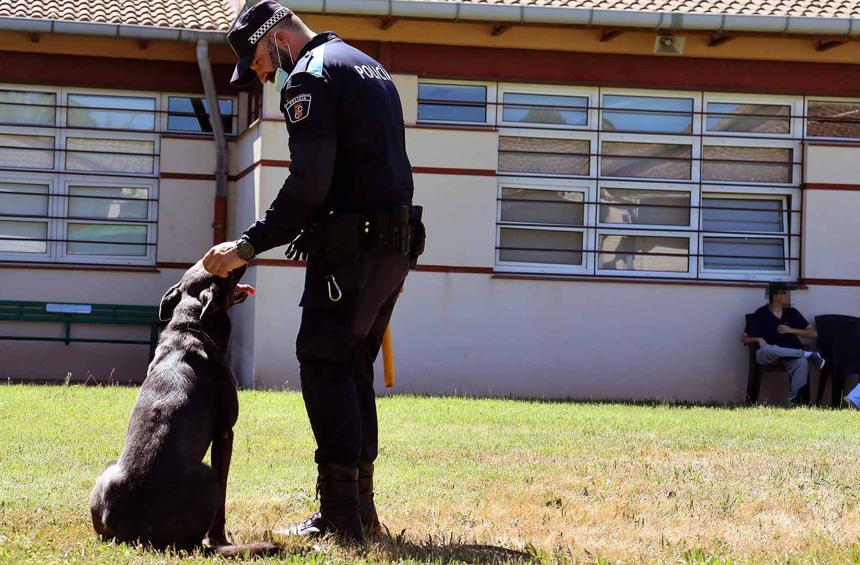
(245,249)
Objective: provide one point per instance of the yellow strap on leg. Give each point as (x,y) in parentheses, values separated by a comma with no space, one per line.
(388,358)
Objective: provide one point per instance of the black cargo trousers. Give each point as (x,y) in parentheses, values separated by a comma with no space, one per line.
(346,309)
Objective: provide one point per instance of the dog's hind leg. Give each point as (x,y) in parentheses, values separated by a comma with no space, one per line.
(180,513)
(103,502)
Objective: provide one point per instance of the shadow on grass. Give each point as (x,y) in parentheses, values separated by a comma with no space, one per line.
(396,548)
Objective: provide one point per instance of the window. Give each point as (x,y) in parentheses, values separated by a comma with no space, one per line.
(452,103)
(186,113)
(24,108)
(646,160)
(684,184)
(542,226)
(748,118)
(833,118)
(23,208)
(545,109)
(551,156)
(111,112)
(735,230)
(647,114)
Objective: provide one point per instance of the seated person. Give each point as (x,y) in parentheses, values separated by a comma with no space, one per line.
(776,328)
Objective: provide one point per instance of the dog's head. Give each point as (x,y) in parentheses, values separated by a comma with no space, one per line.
(215,294)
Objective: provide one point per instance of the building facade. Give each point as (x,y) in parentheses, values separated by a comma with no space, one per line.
(603,203)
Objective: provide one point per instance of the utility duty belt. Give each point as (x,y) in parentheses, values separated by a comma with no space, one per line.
(342,237)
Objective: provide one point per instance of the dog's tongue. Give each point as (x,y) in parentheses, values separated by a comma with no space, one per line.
(246,289)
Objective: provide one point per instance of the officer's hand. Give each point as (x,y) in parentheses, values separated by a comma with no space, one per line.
(222,259)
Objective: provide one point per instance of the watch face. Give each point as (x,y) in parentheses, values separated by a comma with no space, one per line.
(245,249)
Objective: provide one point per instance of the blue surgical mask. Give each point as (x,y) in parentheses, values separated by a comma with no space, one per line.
(282,76)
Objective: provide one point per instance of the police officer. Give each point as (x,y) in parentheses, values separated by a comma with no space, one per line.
(347,206)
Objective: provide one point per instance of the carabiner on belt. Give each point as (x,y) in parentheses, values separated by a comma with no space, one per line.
(333,288)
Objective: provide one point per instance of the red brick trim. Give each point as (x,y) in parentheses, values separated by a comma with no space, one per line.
(453,171)
(832,282)
(168,265)
(825,186)
(186,176)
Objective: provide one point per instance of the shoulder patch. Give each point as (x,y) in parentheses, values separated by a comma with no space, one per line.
(298,108)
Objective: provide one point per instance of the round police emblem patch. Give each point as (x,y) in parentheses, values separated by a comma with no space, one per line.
(299,108)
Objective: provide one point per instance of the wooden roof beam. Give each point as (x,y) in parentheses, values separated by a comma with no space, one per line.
(828,45)
(716,40)
(388,21)
(499,29)
(608,35)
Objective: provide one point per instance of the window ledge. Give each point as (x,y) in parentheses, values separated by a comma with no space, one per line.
(635,280)
(78,267)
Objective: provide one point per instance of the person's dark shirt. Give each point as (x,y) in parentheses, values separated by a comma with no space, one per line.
(763,324)
(347,142)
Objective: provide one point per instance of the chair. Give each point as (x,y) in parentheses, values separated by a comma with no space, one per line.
(839,343)
(756,370)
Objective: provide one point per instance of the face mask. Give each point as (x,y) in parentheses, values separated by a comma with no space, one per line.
(281,75)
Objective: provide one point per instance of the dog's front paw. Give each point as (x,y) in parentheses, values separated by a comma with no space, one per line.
(215,541)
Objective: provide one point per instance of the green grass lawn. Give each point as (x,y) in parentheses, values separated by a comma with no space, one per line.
(473,480)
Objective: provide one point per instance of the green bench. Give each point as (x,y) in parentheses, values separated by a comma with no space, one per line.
(69,314)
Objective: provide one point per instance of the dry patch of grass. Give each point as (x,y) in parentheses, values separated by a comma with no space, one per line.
(474,480)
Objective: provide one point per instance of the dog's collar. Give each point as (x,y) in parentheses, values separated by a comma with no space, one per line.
(198,331)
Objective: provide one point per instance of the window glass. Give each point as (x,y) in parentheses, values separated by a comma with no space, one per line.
(647,114)
(111,112)
(542,207)
(110,155)
(23,237)
(548,156)
(23,199)
(646,160)
(744,253)
(452,103)
(185,113)
(645,207)
(833,119)
(748,118)
(106,239)
(108,202)
(545,109)
(27,108)
(742,215)
(26,151)
(643,253)
(746,164)
(540,246)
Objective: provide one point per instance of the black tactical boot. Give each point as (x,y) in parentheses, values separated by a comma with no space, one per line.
(338,515)
(366,506)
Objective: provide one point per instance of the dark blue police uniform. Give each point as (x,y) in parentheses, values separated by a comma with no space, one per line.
(347,206)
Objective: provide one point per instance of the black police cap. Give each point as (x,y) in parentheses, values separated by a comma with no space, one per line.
(247,31)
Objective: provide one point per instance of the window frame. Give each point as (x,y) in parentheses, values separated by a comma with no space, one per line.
(691,188)
(591,109)
(658,139)
(795,165)
(795,121)
(585,187)
(696,96)
(151,221)
(692,251)
(489,115)
(591,137)
(807,99)
(50,179)
(66,91)
(165,114)
(792,246)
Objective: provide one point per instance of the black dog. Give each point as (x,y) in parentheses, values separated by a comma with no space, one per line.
(160,492)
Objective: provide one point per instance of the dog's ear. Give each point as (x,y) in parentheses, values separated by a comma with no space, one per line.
(211,300)
(169,302)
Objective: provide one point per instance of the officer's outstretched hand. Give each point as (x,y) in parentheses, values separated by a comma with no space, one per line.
(222,259)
